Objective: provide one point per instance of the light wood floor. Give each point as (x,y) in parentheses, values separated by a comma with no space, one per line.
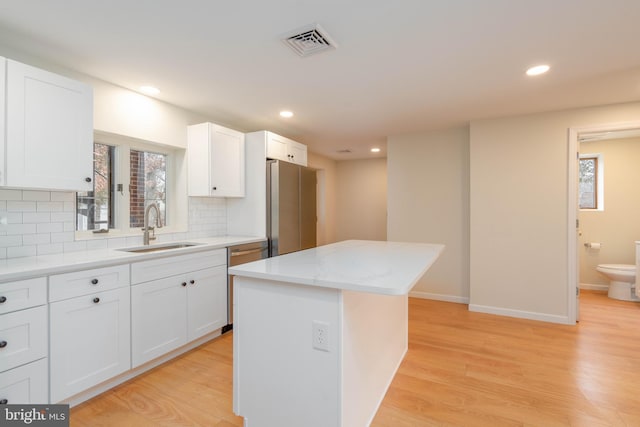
(462,369)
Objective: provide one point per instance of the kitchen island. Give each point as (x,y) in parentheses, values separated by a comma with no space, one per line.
(319,334)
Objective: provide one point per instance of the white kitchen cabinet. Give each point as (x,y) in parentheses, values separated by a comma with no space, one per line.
(3,117)
(158,318)
(215,157)
(90,341)
(186,304)
(206,301)
(281,148)
(86,282)
(26,384)
(24,339)
(49,130)
(21,294)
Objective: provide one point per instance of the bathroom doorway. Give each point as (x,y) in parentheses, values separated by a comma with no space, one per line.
(576,136)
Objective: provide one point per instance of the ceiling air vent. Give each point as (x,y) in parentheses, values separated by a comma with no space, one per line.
(345,151)
(309,40)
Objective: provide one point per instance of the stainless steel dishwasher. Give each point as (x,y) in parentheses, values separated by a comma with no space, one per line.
(236,255)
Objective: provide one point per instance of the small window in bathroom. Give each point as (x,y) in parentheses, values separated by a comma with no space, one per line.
(590,182)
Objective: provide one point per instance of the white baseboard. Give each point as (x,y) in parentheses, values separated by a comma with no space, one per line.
(521,314)
(439,297)
(593,287)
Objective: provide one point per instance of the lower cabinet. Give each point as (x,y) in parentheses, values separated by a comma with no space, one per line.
(26,384)
(170,312)
(90,341)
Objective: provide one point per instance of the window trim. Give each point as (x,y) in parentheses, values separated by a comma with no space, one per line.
(176,220)
(599,185)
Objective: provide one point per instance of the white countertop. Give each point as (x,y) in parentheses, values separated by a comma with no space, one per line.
(389,268)
(26,267)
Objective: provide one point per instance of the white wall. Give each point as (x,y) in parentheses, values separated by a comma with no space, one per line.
(361,199)
(518,201)
(428,193)
(618,226)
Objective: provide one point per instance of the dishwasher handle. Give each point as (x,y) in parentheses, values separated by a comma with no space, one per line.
(248,252)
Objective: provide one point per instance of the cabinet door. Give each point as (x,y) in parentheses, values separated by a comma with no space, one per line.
(277,147)
(90,341)
(26,384)
(23,337)
(49,130)
(3,68)
(227,162)
(207,301)
(158,318)
(297,153)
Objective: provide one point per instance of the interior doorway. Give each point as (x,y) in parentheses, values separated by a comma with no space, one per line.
(603,131)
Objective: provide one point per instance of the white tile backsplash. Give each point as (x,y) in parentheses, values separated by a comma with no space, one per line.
(36,195)
(43,222)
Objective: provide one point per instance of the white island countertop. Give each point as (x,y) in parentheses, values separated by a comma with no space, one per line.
(379,267)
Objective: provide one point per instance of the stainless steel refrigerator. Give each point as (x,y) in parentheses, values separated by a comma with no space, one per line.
(291,207)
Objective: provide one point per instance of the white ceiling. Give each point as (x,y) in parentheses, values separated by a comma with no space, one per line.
(401,66)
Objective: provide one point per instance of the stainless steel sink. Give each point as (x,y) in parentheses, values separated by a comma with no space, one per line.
(162,247)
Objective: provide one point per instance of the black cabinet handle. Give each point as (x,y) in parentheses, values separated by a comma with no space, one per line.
(193,282)
(96,300)
(184,283)
(94,281)
(3,401)
(3,299)
(87,179)
(215,188)
(3,344)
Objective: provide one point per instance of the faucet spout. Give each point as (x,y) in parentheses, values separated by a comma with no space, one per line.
(146,237)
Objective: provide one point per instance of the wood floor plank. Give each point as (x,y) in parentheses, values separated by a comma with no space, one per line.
(462,369)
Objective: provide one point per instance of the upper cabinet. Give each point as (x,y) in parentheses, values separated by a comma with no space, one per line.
(281,148)
(48,128)
(215,157)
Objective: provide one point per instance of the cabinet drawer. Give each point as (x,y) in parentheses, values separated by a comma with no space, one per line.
(23,337)
(27,384)
(69,285)
(22,294)
(165,267)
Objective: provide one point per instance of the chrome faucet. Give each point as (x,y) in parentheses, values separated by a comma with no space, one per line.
(147,228)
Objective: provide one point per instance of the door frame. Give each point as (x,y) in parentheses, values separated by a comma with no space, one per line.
(572,206)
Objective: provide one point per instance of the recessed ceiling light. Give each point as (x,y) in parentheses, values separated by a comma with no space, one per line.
(375,150)
(149,90)
(537,70)
(286,114)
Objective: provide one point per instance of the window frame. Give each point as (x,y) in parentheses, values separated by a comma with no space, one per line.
(121,202)
(599,181)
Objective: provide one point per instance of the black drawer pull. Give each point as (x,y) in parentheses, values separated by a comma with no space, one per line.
(193,282)
(3,344)
(94,281)
(3,299)
(3,401)
(96,300)
(184,283)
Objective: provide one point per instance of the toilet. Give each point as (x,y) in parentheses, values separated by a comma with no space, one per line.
(622,280)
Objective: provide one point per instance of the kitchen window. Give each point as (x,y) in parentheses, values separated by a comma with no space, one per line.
(591,182)
(94,209)
(127,176)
